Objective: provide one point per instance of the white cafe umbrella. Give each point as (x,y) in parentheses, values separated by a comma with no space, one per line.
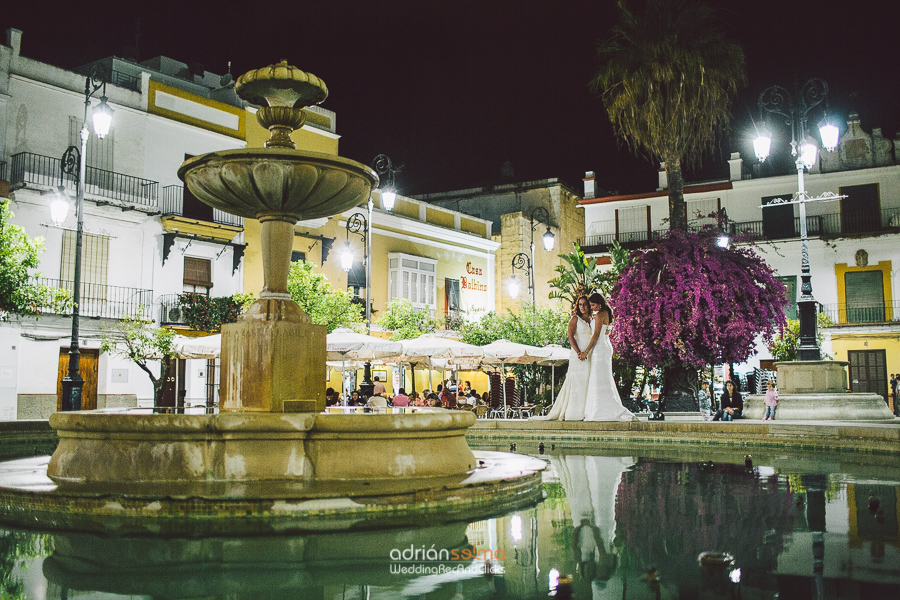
(209,346)
(558,357)
(506,352)
(342,344)
(427,348)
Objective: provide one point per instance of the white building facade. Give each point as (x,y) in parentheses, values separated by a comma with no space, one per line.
(145,241)
(852,242)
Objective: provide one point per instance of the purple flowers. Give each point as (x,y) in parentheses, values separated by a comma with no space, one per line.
(686,301)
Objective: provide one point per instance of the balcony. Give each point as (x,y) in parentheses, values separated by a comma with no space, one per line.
(173,205)
(35,170)
(106,301)
(843,314)
(829,225)
(170,310)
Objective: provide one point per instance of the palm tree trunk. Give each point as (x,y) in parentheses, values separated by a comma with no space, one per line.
(677,211)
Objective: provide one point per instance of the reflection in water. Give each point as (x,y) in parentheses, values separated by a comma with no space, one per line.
(620,527)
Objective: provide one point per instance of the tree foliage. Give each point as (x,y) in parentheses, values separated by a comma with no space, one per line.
(405,321)
(684,301)
(533,325)
(667,78)
(578,275)
(19,254)
(142,342)
(785,345)
(325,305)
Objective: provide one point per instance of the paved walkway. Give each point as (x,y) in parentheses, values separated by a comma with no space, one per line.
(881,439)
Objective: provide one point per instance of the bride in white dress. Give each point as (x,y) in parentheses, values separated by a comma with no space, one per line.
(602,402)
(570,403)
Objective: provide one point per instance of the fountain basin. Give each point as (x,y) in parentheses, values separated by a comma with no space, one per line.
(117,450)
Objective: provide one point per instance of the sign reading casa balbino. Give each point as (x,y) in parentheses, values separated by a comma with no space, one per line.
(467,283)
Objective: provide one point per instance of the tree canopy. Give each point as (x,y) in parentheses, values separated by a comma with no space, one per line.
(667,77)
(684,301)
(404,320)
(325,305)
(19,295)
(141,341)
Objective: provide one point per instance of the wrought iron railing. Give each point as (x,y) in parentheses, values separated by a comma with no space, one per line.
(171,312)
(117,78)
(35,169)
(843,313)
(105,301)
(3,171)
(172,203)
(826,225)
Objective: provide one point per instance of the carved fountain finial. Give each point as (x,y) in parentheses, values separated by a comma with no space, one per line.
(281,91)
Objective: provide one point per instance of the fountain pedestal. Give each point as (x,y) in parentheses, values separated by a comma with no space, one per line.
(273,360)
(817,390)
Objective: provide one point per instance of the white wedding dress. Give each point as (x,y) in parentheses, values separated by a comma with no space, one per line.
(570,402)
(602,402)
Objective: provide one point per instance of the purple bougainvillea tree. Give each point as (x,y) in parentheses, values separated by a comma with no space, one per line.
(685,303)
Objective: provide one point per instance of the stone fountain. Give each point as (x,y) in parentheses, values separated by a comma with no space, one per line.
(270,460)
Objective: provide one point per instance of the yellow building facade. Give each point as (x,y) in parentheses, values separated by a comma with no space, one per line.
(440,259)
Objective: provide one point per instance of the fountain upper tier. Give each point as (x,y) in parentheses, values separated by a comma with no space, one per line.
(278,183)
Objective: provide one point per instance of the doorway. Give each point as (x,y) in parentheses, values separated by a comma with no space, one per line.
(87,368)
(868,372)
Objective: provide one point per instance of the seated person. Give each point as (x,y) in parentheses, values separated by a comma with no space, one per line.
(401,399)
(354,399)
(731,405)
(331,397)
(377,400)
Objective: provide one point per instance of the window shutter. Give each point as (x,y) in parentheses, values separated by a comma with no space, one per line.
(197,271)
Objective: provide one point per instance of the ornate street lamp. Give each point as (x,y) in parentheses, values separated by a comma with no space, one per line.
(521,262)
(73,163)
(385,169)
(795,111)
(540,215)
(357,224)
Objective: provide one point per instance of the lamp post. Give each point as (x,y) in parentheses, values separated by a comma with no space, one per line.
(72,159)
(795,112)
(521,262)
(540,215)
(357,224)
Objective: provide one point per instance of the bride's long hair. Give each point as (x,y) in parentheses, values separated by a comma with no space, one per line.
(604,305)
(577,313)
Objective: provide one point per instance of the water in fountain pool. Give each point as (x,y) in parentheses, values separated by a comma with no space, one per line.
(611,526)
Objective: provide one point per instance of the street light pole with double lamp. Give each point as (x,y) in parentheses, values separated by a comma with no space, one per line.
(72,383)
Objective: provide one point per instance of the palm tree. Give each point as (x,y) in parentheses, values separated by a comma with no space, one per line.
(667,78)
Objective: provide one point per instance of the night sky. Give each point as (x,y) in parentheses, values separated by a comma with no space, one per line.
(452,90)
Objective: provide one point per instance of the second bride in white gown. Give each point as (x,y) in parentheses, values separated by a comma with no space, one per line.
(602,402)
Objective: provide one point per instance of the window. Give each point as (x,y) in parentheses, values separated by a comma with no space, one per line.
(699,211)
(191,207)
(356,279)
(197,275)
(777,221)
(451,290)
(99,152)
(790,285)
(864,292)
(861,209)
(412,277)
(94,263)
(298,256)
(632,224)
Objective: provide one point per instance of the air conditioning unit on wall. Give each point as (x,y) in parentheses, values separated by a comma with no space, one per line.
(174,314)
